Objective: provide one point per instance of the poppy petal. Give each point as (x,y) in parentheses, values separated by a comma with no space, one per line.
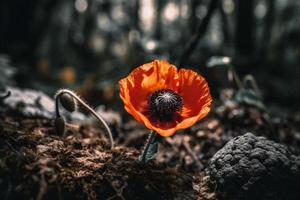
(141,82)
(196,96)
(144,80)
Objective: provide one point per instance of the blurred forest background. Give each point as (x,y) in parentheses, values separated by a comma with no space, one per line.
(88,45)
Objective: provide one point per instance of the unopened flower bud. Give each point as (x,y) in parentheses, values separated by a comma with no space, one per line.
(60,125)
(68,102)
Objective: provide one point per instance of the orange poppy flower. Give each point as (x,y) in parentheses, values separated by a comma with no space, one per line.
(163,98)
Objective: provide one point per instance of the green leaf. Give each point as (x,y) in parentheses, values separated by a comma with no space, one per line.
(151,153)
(249,97)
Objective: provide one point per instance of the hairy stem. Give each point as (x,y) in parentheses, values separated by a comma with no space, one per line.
(147,144)
(88,108)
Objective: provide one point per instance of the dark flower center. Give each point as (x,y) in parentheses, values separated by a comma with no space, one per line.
(163,104)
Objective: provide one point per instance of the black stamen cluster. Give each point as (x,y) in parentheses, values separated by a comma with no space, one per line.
(163,104)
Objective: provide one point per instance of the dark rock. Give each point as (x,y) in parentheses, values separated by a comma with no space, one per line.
(251,167)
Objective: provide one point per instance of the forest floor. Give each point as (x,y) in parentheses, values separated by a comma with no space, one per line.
(36,163)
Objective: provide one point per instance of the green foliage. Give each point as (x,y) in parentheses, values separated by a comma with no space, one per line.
(249,97)
(151,152)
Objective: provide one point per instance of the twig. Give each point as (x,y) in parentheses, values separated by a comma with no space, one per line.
(192,44)
(192,154)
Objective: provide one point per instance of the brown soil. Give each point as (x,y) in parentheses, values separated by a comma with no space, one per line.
(36,163)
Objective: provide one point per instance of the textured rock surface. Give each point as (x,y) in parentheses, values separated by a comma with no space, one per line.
(251,167)
(32,103)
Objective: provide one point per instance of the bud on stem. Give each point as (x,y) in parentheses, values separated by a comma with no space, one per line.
(67,99)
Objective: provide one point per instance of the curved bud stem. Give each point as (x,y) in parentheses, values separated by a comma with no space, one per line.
(87,107)
(147,145)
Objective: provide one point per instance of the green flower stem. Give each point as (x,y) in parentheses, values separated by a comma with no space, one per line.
(88,108)
(150,139)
